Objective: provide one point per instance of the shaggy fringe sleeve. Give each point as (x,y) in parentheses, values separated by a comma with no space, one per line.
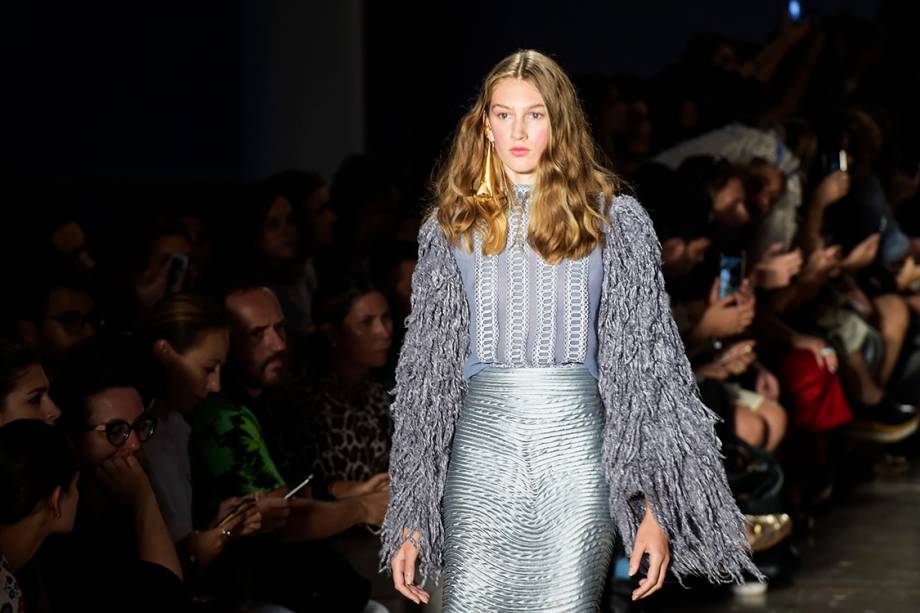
(429,392)
(660,442)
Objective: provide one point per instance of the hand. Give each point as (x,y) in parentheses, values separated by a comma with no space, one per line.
(862,254)
(908,274)
(831,189)
(126,481)
(348,489)
(733,361)
(273,509)
(403,565)
(726,316)
(824,353)
(821,264)
(374,507)
(650,539)
(776,269)
(247,522)
(767,385)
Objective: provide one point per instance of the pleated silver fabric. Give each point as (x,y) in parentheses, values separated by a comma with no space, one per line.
(527,521)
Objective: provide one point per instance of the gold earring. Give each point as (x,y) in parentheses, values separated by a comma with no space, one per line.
(487,183)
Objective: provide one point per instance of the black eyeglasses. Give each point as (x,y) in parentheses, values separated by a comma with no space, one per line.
(118,430)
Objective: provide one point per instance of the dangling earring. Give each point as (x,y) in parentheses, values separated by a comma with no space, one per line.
(487,184)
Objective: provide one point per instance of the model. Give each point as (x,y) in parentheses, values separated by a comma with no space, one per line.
(543,396)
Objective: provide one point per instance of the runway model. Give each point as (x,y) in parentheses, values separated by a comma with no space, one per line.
(543,398)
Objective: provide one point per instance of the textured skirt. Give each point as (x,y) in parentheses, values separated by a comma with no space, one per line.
(527,521)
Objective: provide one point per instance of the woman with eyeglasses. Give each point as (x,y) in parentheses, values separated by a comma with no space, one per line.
(119,556)
(38,478)
(23,387)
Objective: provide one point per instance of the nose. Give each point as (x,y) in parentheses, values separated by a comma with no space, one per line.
(133,444)
(517,129)
(52,412)
(213,383)
(383,328)
(276,341)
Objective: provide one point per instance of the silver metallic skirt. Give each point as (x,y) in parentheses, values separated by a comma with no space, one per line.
(527,522)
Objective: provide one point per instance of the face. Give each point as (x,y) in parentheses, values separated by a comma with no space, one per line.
(68,321)
(278,237)
(728,204)
(29,399)
(117,403)
(320,217)
(364,336)
(70,240)
(680,256)
(258,338)
(767,187)
(519,126)
(193,375)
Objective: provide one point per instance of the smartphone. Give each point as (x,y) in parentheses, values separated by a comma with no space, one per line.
(177,267)
(244,504)
(794,10)
(291,493)
(731,274)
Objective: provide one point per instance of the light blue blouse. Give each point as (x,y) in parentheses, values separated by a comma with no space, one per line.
(523,311)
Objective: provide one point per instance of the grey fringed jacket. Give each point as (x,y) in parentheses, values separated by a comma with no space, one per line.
(659,438)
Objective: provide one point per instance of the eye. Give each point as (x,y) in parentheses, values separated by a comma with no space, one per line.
(502,115)
(36,399)
(537,115)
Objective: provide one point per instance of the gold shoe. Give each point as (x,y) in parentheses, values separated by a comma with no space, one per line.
(768,530)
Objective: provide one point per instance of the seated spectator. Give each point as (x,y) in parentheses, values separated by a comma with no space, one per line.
(119,537)
(23,387)
(55,314)
(38,477)
(230,455)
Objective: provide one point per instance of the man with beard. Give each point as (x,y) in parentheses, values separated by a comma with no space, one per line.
(229,454)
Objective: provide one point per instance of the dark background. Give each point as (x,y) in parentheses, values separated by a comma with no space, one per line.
(101,94)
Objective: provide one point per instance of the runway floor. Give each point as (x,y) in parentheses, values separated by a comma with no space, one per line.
(863,556)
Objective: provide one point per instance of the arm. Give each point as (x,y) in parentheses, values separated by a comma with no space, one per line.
(429,392)
(317,519)
(660,444)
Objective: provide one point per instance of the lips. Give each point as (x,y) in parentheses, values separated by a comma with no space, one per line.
(519,151)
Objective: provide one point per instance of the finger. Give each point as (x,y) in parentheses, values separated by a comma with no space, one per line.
(663,574)
(714,292)
(399,581)
(636,557)
(654,569)
(774,249)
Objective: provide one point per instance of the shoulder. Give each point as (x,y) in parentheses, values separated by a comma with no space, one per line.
(221,413)
(627,218)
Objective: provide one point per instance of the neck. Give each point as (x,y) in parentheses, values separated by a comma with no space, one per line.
(349,372)
(20,541)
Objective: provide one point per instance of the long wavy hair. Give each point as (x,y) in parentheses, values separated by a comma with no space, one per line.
(572,190)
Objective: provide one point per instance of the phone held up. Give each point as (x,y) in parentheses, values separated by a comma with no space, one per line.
(731,273)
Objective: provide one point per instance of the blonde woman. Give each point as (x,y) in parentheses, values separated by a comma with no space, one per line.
(543,396)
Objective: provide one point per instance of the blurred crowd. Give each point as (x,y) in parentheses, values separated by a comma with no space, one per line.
(170,371)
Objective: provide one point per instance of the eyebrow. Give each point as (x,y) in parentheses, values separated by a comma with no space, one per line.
(532,106)
(43,389)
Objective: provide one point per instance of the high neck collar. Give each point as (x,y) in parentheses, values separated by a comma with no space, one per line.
(521,192)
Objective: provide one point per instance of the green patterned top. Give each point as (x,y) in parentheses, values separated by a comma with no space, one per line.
(229,455)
